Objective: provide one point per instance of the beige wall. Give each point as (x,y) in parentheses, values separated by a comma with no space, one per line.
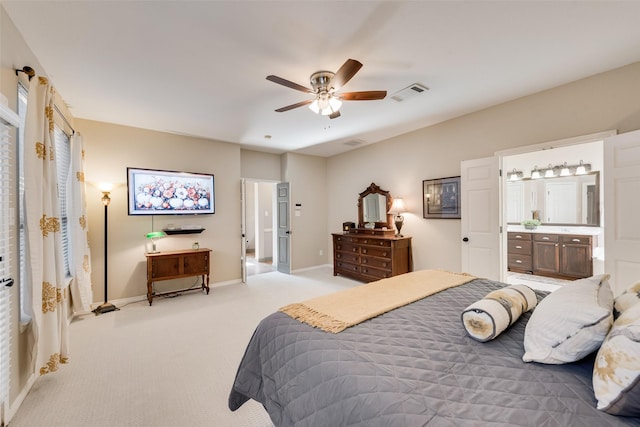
(260,166)
(109,150)
(307,177)
(598,103)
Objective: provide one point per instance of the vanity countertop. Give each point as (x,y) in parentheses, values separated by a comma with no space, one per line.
(556,229)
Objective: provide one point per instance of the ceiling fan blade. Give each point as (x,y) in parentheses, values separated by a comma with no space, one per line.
(345,73)
(289,84)
(292,106)
(370,95)
(334,115)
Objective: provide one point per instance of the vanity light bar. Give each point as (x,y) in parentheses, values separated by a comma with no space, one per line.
(564,170)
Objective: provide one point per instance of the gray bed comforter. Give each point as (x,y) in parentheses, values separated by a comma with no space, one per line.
(413,366)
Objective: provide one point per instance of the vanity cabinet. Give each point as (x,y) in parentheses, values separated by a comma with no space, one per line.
(566,256)
(369,257)
(563,255)
(519,252)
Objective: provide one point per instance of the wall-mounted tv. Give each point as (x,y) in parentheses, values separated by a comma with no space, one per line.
(162,192)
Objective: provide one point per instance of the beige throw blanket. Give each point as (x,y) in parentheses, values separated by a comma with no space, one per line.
(337,311)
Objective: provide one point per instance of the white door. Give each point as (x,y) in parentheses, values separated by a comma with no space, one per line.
(480,217)
(621,207)
(560,203)
(284,228)
(243,230)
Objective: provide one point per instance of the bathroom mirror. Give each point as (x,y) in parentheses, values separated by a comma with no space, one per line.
(565,200)
(373,205)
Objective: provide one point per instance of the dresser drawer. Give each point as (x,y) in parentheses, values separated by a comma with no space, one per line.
(348,257)
(347,247)
(519,236)
(577,240)
(383,263)
(519,247)
(375,251)
(375,273)
(540,237)
(373,242)
(344,238)
(346,267)
(521,262)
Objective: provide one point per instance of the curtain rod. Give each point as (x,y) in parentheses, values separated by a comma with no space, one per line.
(30,72)
(55,107)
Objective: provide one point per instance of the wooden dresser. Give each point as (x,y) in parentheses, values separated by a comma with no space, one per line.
(369,255)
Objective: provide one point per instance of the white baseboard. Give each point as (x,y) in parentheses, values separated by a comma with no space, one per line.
(15,405)
(125,301)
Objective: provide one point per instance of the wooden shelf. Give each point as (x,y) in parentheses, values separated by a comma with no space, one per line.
(183,231)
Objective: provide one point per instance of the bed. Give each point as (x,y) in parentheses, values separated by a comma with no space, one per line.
(412,366)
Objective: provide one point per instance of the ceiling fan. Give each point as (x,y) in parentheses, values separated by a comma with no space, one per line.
(324,85)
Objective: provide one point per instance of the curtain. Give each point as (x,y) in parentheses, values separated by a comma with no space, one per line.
(80,257)
(45,261)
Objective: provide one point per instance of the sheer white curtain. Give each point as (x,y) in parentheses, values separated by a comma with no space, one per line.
(80,259)
(43,230)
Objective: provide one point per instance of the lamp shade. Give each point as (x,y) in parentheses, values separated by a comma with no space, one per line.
(397,206)
(155,234)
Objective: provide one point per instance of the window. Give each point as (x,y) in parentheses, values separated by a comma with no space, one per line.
(25,300)
(8,119)
(63,158)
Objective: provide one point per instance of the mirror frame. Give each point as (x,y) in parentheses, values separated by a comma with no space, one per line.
(374,189)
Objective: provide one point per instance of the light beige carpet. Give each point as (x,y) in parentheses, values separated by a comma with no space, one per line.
(171,364)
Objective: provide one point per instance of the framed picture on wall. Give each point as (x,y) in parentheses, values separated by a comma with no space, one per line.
(441,197)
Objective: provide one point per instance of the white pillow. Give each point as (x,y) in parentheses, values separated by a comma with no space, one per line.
(570,323)
(628,298)
(616,373)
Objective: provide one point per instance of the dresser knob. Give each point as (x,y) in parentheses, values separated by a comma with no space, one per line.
(518,247)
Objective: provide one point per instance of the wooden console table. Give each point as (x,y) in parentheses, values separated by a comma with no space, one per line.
(177,264)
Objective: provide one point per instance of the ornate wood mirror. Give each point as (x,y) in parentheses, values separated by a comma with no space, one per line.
(373,207)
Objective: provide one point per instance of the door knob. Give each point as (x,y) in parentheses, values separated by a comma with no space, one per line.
(465,239)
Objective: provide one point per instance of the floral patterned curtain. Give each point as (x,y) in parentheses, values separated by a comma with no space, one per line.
(80,260)
(45,260)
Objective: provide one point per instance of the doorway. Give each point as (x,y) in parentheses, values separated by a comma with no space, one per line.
(564,204)
(260,251)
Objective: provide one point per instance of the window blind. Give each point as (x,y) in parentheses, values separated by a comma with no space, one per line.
(63,162)
(7,118)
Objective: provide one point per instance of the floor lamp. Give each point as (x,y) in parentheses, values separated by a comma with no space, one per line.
(105,307)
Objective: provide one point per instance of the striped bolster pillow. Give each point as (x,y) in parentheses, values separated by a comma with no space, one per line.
(486,319)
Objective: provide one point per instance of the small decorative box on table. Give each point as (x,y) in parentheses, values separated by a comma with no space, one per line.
(175,265)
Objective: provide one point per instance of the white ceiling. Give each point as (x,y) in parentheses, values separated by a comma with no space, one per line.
(198,67)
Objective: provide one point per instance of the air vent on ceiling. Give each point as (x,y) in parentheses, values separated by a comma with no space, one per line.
(353,142)
(409,92)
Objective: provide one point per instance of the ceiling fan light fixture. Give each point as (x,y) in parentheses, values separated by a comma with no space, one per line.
(314,106)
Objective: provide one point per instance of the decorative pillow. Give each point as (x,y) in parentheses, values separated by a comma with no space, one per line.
(616,373)
(570,322)
(628,298)
(486,319)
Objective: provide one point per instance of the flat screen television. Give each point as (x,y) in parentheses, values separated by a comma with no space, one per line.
(163,192)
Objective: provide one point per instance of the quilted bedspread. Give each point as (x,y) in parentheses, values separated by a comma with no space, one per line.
(413,366)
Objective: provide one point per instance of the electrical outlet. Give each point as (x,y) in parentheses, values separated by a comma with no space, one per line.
(321,252)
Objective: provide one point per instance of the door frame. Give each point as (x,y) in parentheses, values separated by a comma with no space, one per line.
(576,140)
(243,221)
